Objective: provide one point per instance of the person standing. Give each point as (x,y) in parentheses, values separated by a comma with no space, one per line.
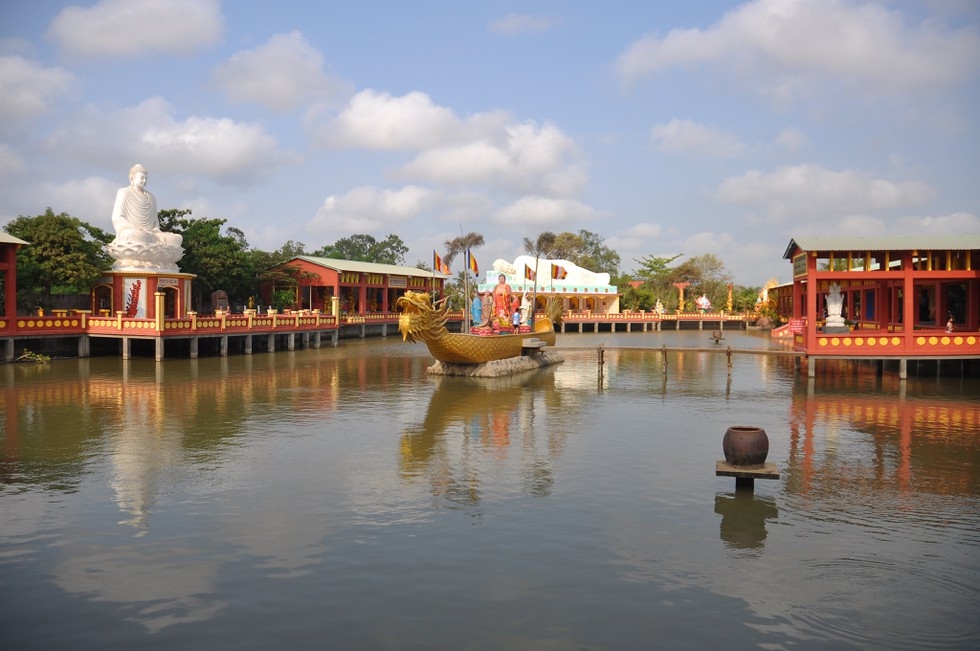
(476,310)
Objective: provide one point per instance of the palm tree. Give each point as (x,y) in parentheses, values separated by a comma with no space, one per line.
(542,246)
(454,247)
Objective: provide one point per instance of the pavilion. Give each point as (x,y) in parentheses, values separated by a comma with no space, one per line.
(899,293)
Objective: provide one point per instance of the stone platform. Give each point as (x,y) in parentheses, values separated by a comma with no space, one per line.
(499,367)
(745,476)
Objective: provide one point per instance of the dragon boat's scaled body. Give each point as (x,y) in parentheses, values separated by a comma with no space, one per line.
(420,320)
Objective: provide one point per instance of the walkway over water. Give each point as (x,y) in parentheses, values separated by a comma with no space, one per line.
(229,332)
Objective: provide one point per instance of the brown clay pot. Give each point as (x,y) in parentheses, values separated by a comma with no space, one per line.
(745,445)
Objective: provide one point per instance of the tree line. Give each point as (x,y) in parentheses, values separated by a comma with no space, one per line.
(66,256)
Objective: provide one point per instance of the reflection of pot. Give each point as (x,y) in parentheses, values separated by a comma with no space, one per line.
(745,445)
(743,519)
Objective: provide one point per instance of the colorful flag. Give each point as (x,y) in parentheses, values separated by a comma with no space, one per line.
(438,264)
(558,272)
(473,265)
(528,273)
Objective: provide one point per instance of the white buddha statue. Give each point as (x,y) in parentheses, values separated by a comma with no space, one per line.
(139,243)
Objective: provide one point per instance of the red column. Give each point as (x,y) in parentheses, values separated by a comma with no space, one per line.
(10,279)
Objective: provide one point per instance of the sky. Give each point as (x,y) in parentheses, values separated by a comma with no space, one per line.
(666,128)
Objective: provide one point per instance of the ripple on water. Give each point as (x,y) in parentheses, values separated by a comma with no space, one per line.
(854,600)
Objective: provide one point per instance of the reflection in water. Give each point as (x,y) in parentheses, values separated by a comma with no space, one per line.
(743,520)
(467,416)
(322,488)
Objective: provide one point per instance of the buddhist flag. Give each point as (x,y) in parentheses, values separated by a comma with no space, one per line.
(439,265)
(528,273)
(473,266)
(558,272)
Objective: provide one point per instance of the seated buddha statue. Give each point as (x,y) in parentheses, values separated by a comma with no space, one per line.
(139,242)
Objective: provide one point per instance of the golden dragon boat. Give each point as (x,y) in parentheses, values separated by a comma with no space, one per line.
(420,320)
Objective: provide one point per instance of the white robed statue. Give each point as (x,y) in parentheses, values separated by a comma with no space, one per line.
(139,243)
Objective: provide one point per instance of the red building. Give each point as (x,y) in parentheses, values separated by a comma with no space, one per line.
(903,297)
(349,287)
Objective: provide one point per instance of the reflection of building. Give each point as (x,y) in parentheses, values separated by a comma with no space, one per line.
(898,294)
(909,446)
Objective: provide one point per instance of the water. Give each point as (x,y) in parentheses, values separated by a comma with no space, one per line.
(344,499)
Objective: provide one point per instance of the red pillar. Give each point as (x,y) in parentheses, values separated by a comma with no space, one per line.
(10,279)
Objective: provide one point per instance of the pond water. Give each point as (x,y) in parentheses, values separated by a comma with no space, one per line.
(342,498)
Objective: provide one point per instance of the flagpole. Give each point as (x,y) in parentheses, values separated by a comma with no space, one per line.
(466,289)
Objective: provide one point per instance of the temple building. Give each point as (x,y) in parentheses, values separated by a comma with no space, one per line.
(904,297)
(581,290)
(349,287)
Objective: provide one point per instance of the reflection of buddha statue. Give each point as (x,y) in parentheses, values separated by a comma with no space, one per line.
(139,243)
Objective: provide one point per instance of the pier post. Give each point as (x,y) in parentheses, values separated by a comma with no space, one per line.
(903,369)
(158,349)
(84,346)
(224,345)
(248,343)
(124,342)
(195,347)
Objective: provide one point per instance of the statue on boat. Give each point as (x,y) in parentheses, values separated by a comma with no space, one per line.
(423,321)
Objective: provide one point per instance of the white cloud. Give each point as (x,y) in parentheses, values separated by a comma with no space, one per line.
(810,190)
(708,242)
(10,161)
(955,223)
(128,27)
(485,149)
(687,137)
(218,148)
(788,48)
(379,121)
(519,158)
(280,74)
(367,209)
(514,24)
(644,230)
(89,199)
(791,140)
(29,88)
(533,212)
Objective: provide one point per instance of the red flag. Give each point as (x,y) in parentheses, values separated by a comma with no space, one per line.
(558,272)
(473,265)
(438,264)
(528,273)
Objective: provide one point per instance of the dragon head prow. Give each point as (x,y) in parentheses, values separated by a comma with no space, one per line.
(421,319)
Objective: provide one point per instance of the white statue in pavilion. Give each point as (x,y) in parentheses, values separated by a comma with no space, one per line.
(835,304)
(139,243)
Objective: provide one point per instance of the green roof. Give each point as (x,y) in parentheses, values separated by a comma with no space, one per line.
(367,267)
(961,242)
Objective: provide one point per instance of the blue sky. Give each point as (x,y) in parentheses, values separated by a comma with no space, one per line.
(667,128)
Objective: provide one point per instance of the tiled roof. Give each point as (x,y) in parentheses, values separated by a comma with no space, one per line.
(961,242)
(367,267)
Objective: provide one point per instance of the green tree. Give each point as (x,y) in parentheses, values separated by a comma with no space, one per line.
(64,255)
(595,255)
(366,248)
(220,261)
(540,247)
(707,275)
(461,244)
(454,247)
(587,250)
(656,273)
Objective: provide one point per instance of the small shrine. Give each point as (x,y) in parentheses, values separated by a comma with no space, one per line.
(539,279)
(144,280)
